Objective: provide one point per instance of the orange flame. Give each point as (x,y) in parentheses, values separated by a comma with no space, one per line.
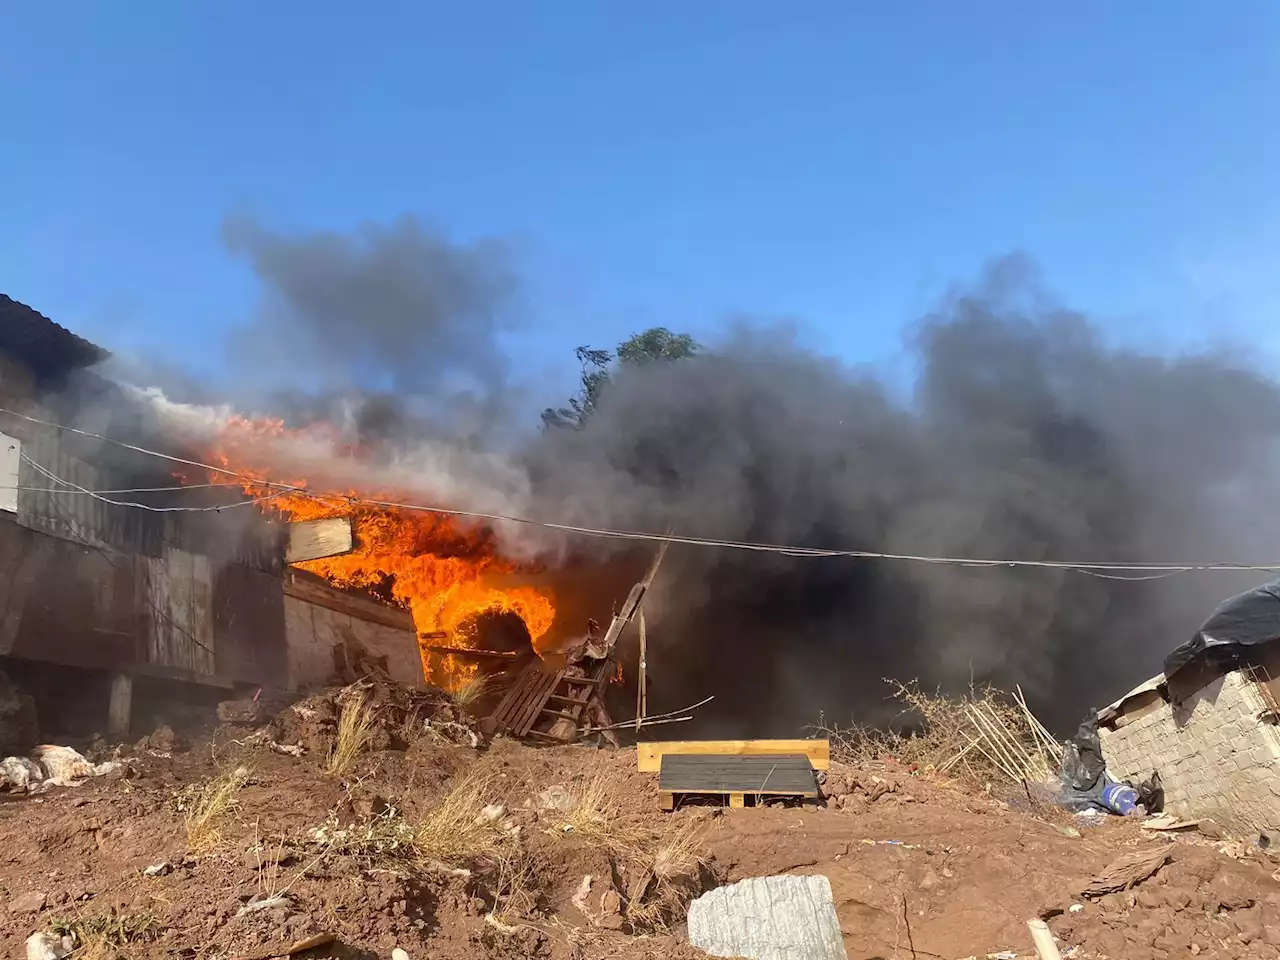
(445,573)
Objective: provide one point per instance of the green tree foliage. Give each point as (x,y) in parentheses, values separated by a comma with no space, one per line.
(653,345)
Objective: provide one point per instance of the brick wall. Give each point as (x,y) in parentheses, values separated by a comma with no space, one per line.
(1216,758)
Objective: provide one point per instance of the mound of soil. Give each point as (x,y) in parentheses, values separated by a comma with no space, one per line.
(299,857)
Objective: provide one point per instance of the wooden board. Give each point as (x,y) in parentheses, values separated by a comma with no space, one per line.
(529,693)
(304,586)
(649,755)
(789,775)
(316,539)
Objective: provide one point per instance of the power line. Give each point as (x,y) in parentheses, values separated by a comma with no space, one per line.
(146,506)
(1103,569)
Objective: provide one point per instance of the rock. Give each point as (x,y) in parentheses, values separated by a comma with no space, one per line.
(166,740)
(557,798)
(369,807)
(769,918)
(929,880)
(610,910)
(241,712)
(45,946)
(398,954)
(157,870)
(28,903)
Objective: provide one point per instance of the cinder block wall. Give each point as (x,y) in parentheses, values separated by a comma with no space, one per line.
(1216,758)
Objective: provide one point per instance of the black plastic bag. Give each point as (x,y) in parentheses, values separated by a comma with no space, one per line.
(1082,764)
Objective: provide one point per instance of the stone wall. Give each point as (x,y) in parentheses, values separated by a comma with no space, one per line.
(1216,757)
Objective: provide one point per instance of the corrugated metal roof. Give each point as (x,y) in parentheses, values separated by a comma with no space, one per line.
(46,347)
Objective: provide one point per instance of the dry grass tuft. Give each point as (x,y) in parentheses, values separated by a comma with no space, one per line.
(107,934)
(470,692)
(667,876)
(596,820)
(988,735)
(207,807)
(464,827)
(355,731)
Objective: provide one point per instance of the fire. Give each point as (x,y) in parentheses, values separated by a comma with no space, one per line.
(446,573)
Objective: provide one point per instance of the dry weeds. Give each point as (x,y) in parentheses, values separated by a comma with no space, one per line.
(104,935)
(355,731)
(987,735)
(464,827)
(471,691)
(208,806)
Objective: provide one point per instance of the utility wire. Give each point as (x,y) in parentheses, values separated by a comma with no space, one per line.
(1105,569)
(75,487)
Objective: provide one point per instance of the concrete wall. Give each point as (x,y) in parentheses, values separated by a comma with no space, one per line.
(1216,758)
(312,631)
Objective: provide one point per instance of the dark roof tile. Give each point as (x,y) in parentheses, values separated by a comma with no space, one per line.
(48,348)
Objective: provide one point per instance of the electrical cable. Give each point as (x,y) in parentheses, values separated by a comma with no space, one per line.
(1103,569)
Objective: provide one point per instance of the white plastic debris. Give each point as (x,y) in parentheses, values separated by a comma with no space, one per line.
(157,870)
(769,918)
(45,946)
(20,774)
(398,954)
(50,766)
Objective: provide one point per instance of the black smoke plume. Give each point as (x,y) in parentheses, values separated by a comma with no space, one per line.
(1024,435)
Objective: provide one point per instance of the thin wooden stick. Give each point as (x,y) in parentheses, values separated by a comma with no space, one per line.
(642,701)
(1037,728)
(653,720)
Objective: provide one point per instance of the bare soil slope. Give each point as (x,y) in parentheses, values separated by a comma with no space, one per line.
(459,852)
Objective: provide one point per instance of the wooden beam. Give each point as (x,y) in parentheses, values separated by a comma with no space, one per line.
(317,539)
(313,589)
(633,601)
(472,652)
(120,706)
(649,755)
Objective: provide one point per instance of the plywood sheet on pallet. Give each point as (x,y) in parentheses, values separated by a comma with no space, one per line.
(649,755)
(784,775)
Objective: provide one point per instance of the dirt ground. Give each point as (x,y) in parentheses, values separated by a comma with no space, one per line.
(365,858)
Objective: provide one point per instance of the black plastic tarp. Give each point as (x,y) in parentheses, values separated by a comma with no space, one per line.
(1250,618)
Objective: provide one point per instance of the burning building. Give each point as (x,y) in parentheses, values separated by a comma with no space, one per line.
(126,591)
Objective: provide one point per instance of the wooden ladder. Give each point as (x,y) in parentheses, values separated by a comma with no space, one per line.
(567,701)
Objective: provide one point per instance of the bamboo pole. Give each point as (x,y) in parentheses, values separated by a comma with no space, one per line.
(642,699)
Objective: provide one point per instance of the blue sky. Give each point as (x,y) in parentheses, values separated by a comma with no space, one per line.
(839,163)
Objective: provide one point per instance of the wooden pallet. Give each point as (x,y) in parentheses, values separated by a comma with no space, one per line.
(649,755)
(542,693)
(735,777)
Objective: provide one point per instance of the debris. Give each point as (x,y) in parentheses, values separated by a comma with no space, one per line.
(556,797)
(1046,949)
(157,870)
(270,903)
(246,713)
(28,903)
(579,899)
(769,918)
(1128,870)
(46,946)
(298,946)
(398,954)
(1168,822)
(20,775)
